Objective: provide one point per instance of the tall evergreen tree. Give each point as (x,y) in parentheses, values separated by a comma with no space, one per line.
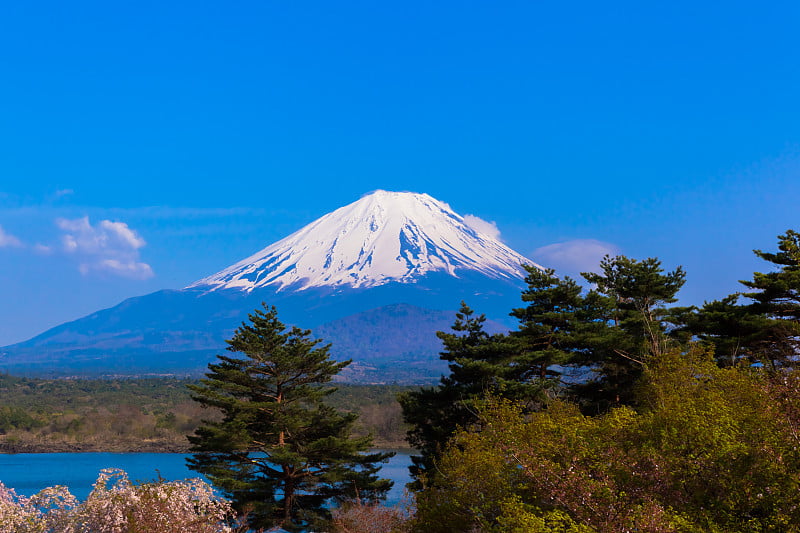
(477,363)
(519,365)
(639,291)
(734,330)
(278,451)
(777,293)
(776,299)
(552,326)
(767,329)
(629,310)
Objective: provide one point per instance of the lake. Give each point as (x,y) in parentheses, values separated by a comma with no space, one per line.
(28,473)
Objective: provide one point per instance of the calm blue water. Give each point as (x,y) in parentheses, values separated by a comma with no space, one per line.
(28,473)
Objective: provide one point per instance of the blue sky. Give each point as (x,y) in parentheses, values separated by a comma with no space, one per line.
(144,145)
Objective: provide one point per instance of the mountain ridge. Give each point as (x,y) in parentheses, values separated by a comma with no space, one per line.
(181,330)
(382,237)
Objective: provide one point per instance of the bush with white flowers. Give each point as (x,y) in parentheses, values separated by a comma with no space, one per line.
(116,505)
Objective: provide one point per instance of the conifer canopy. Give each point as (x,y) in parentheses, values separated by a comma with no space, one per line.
(277,450)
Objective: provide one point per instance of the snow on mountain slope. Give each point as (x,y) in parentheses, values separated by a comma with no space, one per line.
(383,237)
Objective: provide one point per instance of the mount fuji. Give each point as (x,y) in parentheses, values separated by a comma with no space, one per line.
(376,278)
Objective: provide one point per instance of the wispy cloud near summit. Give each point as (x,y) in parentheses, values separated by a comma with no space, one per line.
(483,226)
(575,256)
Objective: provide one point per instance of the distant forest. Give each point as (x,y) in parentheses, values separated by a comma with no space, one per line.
(150,414)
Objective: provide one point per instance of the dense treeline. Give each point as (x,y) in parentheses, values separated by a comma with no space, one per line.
(708,449)
(147,414)
(607,410)
(109,415)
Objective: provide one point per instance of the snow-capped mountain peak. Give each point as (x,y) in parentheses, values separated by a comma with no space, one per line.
(383,237)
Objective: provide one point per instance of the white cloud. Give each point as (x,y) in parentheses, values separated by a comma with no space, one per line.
(123,233)
(64,192)
(579,255)
(42,249)
(8,240)
(110,247)
(483,226)
(129,269)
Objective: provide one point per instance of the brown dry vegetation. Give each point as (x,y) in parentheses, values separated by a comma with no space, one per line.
(151,414)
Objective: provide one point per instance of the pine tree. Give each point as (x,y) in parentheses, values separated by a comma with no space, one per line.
(278,451)
(777,293)
(518,366)
(767,329)
(776,299)
(550,326)
(734,330)
(478,362)
(638,291)
(628,308)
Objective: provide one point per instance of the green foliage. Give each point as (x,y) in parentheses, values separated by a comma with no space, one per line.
(13,417)
(765,330)
(777,293)
(478,363)
(516,517)
(776,302)
(43,395)
(378,410)
(278,451)
(146,414)
(628,310)
(638,291)
(710,449)
(549,326)
(732,329)
(613,330)
(97,415)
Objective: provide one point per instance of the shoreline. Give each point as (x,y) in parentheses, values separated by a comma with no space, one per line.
(11,448)
(73,447)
